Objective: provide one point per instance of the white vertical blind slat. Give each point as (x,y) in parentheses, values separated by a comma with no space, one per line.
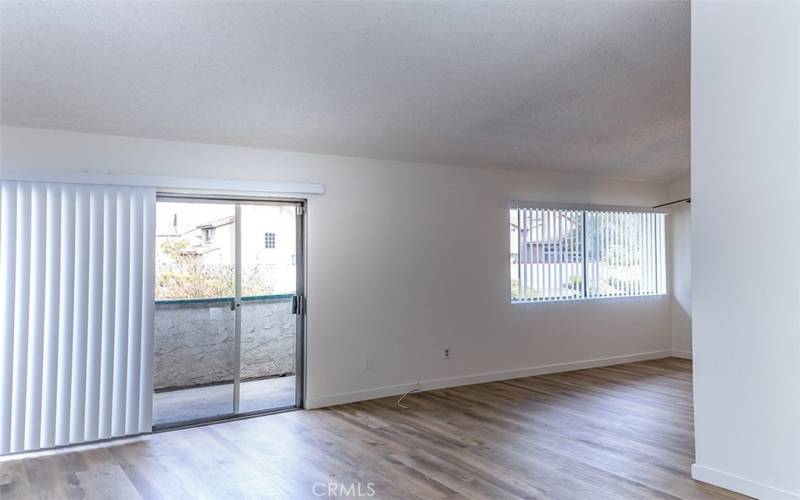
(570,222)
(535,280)
(109,313)
(618,255)
(579,256)
(148,238)
(623,245)
(76,328)
(630,259)
(651,259)
(643,251)
(637,255)
(654,237)
(21,318)
(591,218)
(605,260)
(583,264)
(591,258)
(94,333)
(559,243)
(573,271)
(8,232)
(33,403)
(530,262)
(121,327)
(577,253)
(630,224)
(540,268)
(66,284)
(625,242)
(606,257)
(662,268)
(533,277)
(651,231)
(656,277)
(80,317)
(51,316)
(524,235)
(544,254)
(134,317)
(647,259)
(549,257)
(568,264)
(522,264)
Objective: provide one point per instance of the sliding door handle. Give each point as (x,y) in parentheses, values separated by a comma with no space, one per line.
(298,304)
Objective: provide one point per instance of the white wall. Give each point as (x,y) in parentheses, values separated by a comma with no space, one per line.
(404,261)
(745,245)
(680,240)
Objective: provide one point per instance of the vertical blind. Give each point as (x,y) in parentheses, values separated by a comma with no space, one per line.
(562,254)
(76,313)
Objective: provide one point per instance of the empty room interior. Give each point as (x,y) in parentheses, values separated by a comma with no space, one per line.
(407,250)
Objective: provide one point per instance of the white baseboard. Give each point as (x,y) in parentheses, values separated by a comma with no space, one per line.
(682,354)
(442,383)
(740,484)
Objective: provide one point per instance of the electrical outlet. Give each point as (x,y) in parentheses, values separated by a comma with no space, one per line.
(447,353)
(368,363)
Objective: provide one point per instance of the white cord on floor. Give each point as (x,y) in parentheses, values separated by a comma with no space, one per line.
(399,401)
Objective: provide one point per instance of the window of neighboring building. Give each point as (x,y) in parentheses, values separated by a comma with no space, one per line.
(208,234)
(269,240)
(561,254)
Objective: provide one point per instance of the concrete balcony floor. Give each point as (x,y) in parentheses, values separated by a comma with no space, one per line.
(180,405)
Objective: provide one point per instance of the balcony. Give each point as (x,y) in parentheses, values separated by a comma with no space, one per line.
(194,357)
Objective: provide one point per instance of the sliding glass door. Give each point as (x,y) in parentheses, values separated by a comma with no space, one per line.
(228,294)
(269,257)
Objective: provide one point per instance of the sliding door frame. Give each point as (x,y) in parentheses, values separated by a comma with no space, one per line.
(300,300)
(300,317)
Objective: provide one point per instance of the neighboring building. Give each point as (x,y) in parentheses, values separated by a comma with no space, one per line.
(540,248)
(268,241)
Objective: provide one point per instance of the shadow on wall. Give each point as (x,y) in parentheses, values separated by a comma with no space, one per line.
(681,249)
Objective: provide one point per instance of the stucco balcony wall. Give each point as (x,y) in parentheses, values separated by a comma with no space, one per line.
(194,341)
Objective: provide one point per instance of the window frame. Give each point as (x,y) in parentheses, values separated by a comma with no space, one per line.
(663,289)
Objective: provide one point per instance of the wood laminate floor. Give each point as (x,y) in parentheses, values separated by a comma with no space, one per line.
(617,432)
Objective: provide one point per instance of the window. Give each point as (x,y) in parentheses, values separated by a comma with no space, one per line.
(563,254)
(269,240)
(208,234)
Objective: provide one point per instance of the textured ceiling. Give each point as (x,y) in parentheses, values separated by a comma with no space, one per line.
(594,88)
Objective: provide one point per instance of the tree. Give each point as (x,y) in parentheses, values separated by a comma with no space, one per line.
(184,274)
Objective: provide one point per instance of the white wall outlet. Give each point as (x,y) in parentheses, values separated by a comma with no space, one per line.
(446,354)
(369,364)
